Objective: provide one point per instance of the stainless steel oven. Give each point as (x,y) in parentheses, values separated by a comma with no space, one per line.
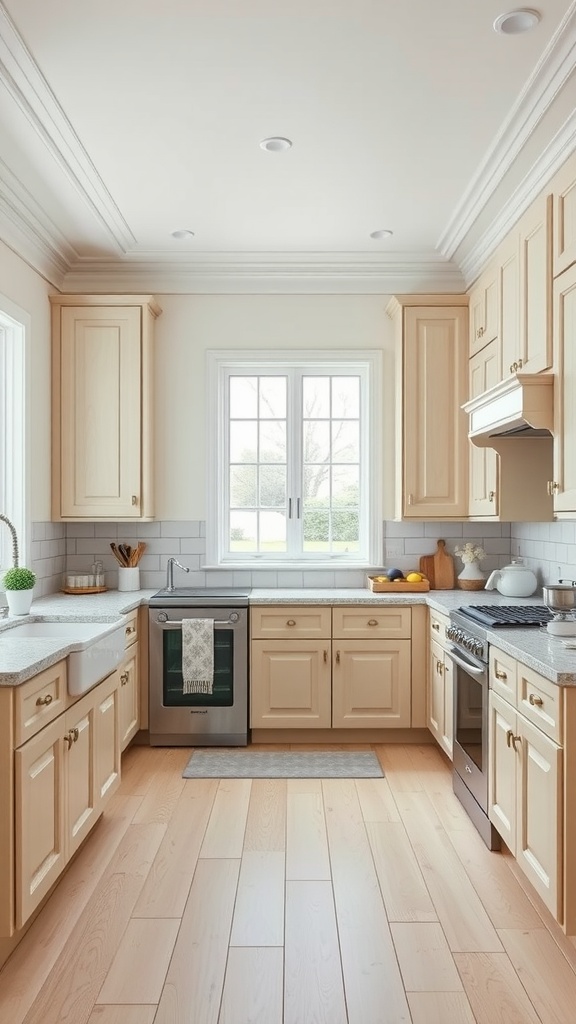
(199,719)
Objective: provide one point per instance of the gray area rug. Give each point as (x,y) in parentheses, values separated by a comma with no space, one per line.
(287,764)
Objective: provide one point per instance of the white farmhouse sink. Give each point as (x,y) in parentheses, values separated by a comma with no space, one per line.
(96,647)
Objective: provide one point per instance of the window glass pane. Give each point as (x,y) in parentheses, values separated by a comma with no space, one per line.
(345,530)
(272,486)
(272,532)
(345,441)
(273,397)
(316,529)
(243,397)
(316,485)
(316,396)
(346,397)
(243,440)
(243,526)
(243,486)
(316,441)
(345,489)
(273,441)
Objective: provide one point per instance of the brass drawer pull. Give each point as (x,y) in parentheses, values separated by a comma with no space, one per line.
(44,700)
(71,737)
(124,678)
(338,657)
(515,740)
(534,700)
(129,630)
(509,736)
(491,495)
(291,622)
(500,674)
(372,622)
(436,626)
(325,656)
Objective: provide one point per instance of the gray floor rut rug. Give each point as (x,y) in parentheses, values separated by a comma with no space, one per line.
(286,764)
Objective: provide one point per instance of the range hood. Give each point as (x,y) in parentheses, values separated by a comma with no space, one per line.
(520,406)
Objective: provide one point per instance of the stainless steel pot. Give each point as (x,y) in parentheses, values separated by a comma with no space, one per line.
(561,596)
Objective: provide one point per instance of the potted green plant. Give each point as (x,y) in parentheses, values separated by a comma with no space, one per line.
(19,584)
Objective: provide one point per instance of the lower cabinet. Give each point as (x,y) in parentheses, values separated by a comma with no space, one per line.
(440,700)
(341,679)
(63,776)
(525,798)
(130,684)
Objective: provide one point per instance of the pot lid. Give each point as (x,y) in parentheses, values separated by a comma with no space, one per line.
(561,585)
(514,566)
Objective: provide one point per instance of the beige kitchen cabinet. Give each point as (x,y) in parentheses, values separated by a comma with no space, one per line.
(57,778)
(371,684)
(535,335)
(564,199)
(290,684)
(484,310)
(102,413)
(440,701)
(525,798)
(431,386)
(129,693)
(484,373)
(563,486)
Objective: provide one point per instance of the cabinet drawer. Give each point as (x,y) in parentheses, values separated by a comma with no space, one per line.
(540,701)
(39,701)
(438,625)
(131,628)
(503,675)
(278,622)
(371,623)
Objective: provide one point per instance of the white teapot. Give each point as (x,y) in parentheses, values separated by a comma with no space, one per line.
(514,580)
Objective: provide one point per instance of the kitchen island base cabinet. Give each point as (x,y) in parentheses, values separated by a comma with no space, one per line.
(290,684)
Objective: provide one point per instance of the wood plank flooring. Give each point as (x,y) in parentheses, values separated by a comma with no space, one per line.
(339,901)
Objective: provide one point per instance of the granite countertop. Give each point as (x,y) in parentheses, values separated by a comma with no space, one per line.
(20,659)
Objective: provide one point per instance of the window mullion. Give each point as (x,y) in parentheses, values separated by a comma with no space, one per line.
(294,469)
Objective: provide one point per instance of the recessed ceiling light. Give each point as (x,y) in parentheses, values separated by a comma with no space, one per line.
(276,144)
(514,22)
(381,233)
(182,233)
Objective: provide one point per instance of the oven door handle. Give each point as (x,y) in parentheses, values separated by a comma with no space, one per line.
(472,669)
(177,623)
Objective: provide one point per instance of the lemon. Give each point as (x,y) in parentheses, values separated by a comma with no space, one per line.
(414,577)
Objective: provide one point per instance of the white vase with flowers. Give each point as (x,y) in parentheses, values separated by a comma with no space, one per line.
(471,577)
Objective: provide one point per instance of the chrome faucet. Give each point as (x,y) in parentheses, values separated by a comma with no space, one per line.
(170,572)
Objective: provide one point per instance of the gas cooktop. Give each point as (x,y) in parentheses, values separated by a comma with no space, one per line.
(514,616)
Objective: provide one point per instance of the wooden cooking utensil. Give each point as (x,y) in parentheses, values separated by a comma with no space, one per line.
(443,568)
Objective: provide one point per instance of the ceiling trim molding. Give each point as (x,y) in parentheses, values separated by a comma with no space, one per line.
(548,77)
(25,228)
(30,91)
(271,273)
(561,146)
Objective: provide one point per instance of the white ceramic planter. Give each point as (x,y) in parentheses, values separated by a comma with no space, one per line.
(19,601)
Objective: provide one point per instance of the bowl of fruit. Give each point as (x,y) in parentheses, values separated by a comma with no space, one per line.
(394,580)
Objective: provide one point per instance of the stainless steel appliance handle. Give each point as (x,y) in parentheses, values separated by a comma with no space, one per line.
(176,623)
(467,666)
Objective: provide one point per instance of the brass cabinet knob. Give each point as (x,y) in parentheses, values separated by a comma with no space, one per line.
(436,626)
(291,622)
(129,630)
(134,499)
(338,657)
(491,495)
(372,622)
(124,678)
(500,674)
(47,699)
(535,701)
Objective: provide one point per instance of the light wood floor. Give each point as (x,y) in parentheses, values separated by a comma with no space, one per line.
(289,902)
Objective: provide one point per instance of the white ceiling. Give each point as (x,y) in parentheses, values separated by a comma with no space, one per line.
(124,120)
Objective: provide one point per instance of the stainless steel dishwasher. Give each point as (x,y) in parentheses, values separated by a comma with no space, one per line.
(194,719)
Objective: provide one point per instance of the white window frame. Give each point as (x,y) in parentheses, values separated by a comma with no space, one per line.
(14,413)
(220,364)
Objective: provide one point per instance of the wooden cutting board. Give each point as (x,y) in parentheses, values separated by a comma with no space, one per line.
(443,568)
(427,568)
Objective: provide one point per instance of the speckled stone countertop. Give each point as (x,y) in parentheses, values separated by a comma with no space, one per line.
(20,659)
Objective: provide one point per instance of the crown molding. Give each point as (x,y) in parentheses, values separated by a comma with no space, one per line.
(26,230)
(27,86)
(272,273)
(549,162)
(548,77)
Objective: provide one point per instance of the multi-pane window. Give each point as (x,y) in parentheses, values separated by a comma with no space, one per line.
(295,456)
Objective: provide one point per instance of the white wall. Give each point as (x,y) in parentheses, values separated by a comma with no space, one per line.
(192,324)
(28,291)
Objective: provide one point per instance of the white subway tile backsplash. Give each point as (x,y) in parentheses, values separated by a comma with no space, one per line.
(193,545)
(80,529)
(186,528)
(443,529)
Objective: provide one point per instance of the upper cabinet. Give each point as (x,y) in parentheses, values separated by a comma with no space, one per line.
(484,310)
(432,440)
(102,413)
(563,487)
(564,192)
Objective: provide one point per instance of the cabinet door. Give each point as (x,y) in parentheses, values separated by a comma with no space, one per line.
(129,698)
(435,428)
(39,822)
(371,684)
(564,199)
(484,307)
(290,684)
(436,691)
(100,412)
(509,271)
(536,286)
(539,813)
(107,739)
(79,763)
(484,372)
(564,391)
(502,770)
(447,737)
